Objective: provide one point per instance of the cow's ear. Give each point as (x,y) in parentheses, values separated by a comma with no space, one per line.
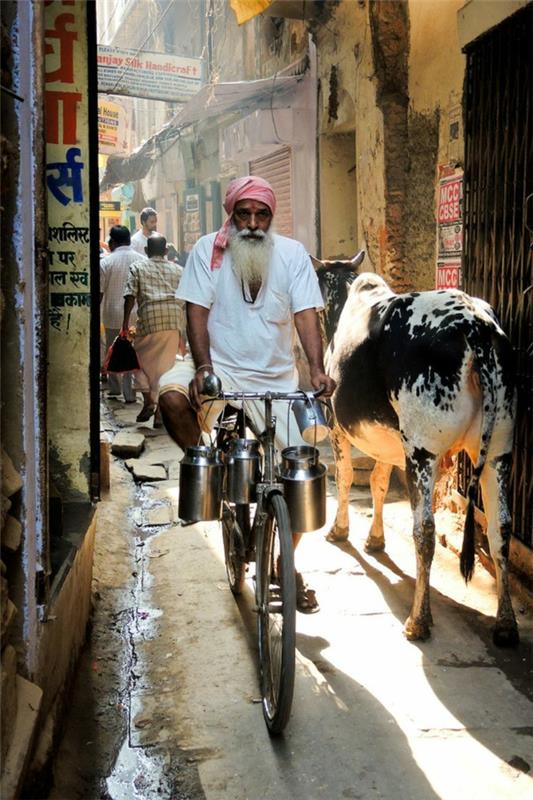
(317,263)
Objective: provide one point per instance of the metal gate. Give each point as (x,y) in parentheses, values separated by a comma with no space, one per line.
(497,249)
(276,168)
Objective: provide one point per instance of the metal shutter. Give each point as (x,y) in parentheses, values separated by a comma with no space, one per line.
(276,168)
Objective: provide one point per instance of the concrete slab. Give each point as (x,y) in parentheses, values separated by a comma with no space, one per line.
(162,455)
(163,490)
(127,444)
(143,471)
(174,470)
(161,515)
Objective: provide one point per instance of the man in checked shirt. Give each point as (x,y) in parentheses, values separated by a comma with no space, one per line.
(153,282)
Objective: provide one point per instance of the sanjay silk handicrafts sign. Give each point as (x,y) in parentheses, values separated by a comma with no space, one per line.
(155,76)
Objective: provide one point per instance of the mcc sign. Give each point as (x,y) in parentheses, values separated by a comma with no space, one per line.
(450,200)
(448,274)
(449,229)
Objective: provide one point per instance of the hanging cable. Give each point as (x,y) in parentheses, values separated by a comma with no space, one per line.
(158,23)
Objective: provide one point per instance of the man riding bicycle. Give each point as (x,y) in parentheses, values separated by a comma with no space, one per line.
(246,291)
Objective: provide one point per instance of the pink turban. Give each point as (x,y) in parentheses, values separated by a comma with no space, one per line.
(248,188)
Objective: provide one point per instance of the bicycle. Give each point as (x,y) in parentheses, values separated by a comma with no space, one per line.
(266,538)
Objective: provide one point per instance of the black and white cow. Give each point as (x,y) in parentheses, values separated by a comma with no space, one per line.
(421,376)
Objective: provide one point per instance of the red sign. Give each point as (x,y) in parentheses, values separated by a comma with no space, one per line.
(450,200)
(448,275)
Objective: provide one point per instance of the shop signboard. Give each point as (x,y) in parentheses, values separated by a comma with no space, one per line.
(110,206)
(448,274)
(67,153)
(193,217)
(111,127)
(449,228)
(156,76)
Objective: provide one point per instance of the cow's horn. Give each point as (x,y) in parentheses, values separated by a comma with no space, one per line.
(358,259)
(317,263)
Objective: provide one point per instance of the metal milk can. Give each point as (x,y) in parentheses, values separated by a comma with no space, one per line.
(201,479)
(310,418)
(243,470)
(304,485)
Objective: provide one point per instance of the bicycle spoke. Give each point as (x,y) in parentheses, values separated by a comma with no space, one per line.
(235,533)
(276,617)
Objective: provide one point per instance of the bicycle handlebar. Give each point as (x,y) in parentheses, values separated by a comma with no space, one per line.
(213,392)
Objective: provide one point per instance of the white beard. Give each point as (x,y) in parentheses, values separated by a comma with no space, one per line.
(251,254)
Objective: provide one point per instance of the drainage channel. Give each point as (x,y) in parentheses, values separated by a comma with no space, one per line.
(99,754)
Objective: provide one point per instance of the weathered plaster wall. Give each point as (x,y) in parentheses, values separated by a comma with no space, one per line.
(389,29)
(338,196)
(436,74)
(63,634)
(24,318)
(363,70)
(393,72)
(347,102)
(420,226)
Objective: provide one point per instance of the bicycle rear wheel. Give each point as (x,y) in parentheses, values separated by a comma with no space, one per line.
(236,537)
(276,604)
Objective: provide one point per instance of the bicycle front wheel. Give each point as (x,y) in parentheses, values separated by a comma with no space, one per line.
(276,605)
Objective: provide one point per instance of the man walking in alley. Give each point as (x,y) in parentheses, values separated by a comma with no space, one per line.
(114,271)
(153,283)
(247,290)
(148,226)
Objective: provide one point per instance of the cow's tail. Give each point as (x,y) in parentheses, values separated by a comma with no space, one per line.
(484,366)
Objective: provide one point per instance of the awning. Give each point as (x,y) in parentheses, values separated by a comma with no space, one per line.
(124,169)
(212,100)
(223,98)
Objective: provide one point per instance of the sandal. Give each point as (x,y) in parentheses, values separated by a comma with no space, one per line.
(306,601)
(145,414)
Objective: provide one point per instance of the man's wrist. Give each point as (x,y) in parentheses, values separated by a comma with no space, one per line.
(204,367)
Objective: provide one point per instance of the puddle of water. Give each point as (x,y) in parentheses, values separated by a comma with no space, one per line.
(135,775)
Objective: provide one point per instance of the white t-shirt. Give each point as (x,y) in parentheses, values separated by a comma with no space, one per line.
(138,242)
(253,341)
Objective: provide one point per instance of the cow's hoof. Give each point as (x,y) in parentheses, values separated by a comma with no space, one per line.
(374,545)
(336,535)
(506,636)
(416,631)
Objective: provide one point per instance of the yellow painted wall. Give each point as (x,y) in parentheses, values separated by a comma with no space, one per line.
(436,68)
(343,42)
(338,196)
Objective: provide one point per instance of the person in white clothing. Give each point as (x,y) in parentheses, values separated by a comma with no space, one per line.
(246,291)
(148,226)
(114,271)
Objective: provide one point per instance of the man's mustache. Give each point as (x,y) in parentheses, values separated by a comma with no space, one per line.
(251,234)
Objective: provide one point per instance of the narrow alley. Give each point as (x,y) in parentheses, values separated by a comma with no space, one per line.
(215,201)
(166,702)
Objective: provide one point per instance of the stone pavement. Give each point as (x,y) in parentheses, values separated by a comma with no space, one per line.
(168,691)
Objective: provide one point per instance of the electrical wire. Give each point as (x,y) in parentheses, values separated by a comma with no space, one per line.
(117,5)
(158,23)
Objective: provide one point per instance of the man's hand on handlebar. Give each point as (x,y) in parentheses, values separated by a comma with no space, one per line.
(319,380)
(204,384)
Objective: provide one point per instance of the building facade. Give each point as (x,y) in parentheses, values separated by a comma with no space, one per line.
(49,388)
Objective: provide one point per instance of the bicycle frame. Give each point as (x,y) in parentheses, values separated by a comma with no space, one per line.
(268,540)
